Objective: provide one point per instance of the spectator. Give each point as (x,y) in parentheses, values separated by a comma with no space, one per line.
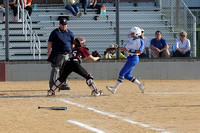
(159,47)
(73,7)
(111,52)
(182,45)
(13,7)
(27,6)
(92,4)
(59,45)
(145,52)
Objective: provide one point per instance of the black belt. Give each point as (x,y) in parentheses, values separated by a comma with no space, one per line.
(63,53)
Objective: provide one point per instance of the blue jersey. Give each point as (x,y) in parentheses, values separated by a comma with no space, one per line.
(132,59)
(61,40)
(159,44)
(134,44)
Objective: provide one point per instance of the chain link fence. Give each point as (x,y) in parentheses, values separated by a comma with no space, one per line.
(167,16)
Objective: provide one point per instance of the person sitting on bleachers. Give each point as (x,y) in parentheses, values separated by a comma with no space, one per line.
(159,46)
(111,52)
(92,4)
(13,7)
(145,52)
(182,46)
(73,7)
(27,6)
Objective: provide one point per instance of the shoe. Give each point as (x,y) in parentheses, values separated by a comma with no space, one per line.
(50,93)
(96,93)
(111,89)
(78,14)
(95,17)
(63,87)
(85,12)
(19,20)
(141,86)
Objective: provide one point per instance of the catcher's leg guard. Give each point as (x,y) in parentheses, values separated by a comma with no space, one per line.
(90,82)
(56,85)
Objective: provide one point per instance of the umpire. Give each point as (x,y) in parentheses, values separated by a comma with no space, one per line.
(59,45)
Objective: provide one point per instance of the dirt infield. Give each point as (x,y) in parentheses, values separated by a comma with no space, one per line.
(166,106)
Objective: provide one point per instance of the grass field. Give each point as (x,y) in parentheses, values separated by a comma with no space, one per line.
(170,106)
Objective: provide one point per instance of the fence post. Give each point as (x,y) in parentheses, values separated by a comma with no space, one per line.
(7,30)
(117,26)
(194,38)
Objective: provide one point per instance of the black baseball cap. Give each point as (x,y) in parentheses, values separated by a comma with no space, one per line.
(63,21)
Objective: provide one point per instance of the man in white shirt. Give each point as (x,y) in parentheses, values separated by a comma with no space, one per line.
(145,52)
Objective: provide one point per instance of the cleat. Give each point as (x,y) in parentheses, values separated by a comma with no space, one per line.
(111,89)
(78,14)
(96,93)
(50,93)
(141,86)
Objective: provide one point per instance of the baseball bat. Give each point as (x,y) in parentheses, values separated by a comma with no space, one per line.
(53,108)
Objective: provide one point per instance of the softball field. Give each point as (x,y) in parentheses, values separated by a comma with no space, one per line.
(168,106)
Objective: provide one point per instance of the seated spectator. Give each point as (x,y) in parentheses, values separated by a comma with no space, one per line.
(159,47)
(13,7)
(92,4)
(73,7)
(111,52)
(182,45)
(27,6)
(145,52)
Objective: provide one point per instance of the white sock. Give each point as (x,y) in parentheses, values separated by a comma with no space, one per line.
(137,82)
(117,85)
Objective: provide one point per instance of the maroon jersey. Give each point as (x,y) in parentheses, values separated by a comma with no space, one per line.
(79,53)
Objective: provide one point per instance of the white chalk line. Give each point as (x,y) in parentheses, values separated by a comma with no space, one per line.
(173,93)
(86,126)
(114,116)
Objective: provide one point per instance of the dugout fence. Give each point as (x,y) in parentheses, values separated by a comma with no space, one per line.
(168,16)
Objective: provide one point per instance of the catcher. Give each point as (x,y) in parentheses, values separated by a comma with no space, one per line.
(78,54)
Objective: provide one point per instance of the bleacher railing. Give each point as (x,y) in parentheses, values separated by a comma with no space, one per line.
(181,18)
(27,26)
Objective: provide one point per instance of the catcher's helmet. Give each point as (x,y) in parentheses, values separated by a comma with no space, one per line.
(79,42)
(136,30)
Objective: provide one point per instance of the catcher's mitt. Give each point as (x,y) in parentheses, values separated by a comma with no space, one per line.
(96,54)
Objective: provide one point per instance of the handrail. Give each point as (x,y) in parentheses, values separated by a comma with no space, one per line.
(194,28)
(27,26)
(36,45)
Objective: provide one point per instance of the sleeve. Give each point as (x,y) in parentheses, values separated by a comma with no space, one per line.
(164,42)
(176,44)
(85,53)
(187,46)
(127,44)
(51,37)
(152,42)
(72,38)
(142,45)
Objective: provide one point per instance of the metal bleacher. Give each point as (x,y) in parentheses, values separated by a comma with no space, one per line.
(99,34)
